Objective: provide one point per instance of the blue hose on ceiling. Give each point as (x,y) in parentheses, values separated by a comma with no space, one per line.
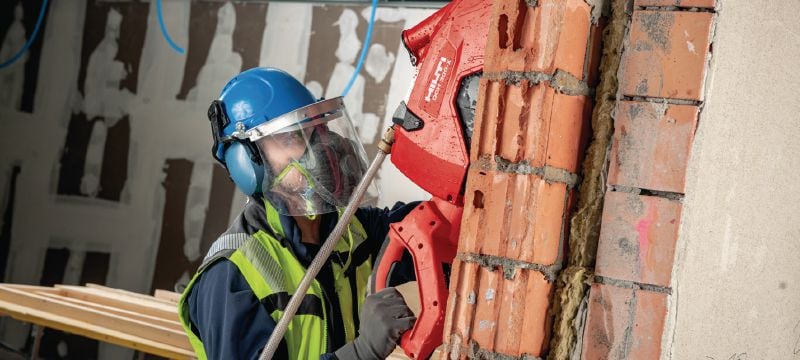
(363,49)
(30,41)
(171,43)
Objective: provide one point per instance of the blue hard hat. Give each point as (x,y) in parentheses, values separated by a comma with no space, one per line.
(251,98)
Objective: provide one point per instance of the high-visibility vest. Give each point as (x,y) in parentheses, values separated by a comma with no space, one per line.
(274,273)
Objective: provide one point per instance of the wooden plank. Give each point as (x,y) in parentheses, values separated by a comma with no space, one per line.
(135,295)
(55,320)
(174,324)
(167,295)
(95,317)
(153,308)
(34,288)
(123,292)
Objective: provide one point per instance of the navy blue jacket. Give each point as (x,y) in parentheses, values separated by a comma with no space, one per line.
(228,317)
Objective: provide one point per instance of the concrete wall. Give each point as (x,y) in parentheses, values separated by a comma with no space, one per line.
(737,276)
(107,77)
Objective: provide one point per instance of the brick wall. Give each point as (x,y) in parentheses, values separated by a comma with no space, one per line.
(661,77)
(530,133)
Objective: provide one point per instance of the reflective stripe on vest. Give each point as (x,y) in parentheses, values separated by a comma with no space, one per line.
(273,274)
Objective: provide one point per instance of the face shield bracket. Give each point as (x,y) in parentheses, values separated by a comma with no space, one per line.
(219,120)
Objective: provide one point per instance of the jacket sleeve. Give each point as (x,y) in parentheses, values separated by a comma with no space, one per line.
(227,316)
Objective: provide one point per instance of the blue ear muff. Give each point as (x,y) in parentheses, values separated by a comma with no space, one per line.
(245,173)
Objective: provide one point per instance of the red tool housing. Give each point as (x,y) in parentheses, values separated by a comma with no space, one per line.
(446,47)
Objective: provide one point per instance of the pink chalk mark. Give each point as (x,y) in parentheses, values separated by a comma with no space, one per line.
(643,228)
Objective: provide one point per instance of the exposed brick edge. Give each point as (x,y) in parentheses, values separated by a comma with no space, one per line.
(627,284)
(675,8)
(510,266)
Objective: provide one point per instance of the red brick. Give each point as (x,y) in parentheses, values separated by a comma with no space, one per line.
(623,324)
(461,302)
(519,123)
(552,35)
(522,214)
(537,321)
(573,19)
(487,115)
(666,54)
(491,218)
(511,304)
(512,125)
(488,295)
(650,315)
(542,229)
(683,3)
(536,132)
(637,238)
(509,316)
(568,129)
(652,144)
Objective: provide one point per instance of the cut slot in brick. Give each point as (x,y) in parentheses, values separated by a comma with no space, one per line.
(623,323)
(666,54)
(682,3)
(652,144)
(637,239)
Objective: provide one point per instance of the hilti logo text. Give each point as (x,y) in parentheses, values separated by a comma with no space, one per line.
(441,72)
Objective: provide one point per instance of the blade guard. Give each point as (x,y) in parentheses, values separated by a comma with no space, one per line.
(430,234)
(446,47)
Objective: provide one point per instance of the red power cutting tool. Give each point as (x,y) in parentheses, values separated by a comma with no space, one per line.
(431,148)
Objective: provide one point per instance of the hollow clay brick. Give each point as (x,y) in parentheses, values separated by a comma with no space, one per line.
(511,315)
(511,211)
(651,146)
(523,215)
(623,324)
(569,125)
(552,35)
(461,302)
(666,54)
(534,124)
(683,3)
(537,320)
(488,296)
(637,238)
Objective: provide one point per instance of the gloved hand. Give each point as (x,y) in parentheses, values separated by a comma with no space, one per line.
(384,318)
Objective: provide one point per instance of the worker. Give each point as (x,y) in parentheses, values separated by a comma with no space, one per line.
(298,160)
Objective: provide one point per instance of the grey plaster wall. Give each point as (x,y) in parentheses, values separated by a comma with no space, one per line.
(736,279)
(106,67)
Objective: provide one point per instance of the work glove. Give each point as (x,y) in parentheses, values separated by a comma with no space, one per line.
(384,318)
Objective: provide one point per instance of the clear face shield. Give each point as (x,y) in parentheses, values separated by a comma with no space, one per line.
(312,159)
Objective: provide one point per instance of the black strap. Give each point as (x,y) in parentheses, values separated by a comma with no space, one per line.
(311,304)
